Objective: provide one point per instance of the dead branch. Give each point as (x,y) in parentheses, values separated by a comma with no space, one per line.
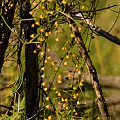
(7,86)
(97,29)
(92,71)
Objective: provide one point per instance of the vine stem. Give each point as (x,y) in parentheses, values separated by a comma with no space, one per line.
(10,28)
(92,71)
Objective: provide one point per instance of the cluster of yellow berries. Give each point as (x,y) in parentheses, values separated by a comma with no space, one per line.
(59,79)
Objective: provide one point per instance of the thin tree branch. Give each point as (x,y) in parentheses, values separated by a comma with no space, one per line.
(92,71)
(4,106)
(97,29)
(7,86)
(99,9)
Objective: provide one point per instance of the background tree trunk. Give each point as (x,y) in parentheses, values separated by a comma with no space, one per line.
(31,63)
(6,13)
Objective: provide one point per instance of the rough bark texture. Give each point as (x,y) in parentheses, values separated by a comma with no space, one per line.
(31,63)
(8,14)
(95,28)
(92,71)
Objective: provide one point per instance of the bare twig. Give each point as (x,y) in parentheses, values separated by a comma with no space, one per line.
(92,71)
(7,86)
(99,9)
(98,30)
(5,106)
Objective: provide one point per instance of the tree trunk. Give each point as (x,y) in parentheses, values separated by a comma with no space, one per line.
(6,15)
(31,63)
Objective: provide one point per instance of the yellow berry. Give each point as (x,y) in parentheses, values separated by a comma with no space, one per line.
(11,5)
(43,7)
(34,3)
(50,33)
(64,105)
(49,117)
(41,39)
(37,23)
(47,98)
(79,72)
(56,24)
(73,55)
(43,76)
(74,110)
(59,103)
(81,83)
(59,76)
(58,31)
(76,65)
(67,57)
(57,39)
(42,30)
(42,53)
(43,84)
(46,34)
(77,94)
(79,29)
(45,89)
(82,80)
(31,12)
(74,96)
(83,7)
(47,106)
(78,102)
(32,36)
(64,2)
(34,51)
(43,68)
(59,81)
(65,63)
(59,94)
(38,46)
(74,88)
(62,100)
(46,61)
(69,75)
(66,100)
(56,68)
(67,108)
(72,35)
(63,48)
(51,12)
(76,113)
(49,58)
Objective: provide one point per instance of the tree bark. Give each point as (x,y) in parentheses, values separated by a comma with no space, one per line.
(7,13)
(97,29)
(31,63)
(92,71)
